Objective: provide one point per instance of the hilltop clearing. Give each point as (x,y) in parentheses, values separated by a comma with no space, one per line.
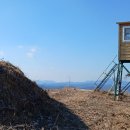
(97,110)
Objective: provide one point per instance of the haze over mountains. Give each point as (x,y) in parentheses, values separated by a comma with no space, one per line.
(90,85)
(46,84)
(53,84)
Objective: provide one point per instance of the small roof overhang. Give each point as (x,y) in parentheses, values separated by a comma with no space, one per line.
(128,22)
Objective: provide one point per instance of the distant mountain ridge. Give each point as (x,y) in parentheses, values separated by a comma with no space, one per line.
(52,84)
(48,84)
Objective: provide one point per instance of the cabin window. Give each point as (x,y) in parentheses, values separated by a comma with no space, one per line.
(126,34)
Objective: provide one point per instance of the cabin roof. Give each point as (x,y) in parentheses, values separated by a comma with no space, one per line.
(128,22)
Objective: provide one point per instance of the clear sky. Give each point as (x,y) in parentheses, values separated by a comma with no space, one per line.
(58,39)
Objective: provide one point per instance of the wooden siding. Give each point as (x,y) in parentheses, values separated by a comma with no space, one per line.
(124,47)
(124,53)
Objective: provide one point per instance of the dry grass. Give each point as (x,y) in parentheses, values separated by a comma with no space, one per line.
(97,110)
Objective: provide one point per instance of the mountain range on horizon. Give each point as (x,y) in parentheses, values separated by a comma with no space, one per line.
(90,85)
(48,84)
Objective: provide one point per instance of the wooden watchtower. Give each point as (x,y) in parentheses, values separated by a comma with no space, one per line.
(123,55)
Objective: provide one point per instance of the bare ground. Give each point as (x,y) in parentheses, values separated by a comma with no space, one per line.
(97,110)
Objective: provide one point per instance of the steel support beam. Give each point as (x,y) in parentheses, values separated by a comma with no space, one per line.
(118,81)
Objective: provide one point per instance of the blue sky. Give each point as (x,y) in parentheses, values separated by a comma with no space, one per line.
(58,39)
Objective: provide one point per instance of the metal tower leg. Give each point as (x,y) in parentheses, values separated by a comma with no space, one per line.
(121,71)
(118,81)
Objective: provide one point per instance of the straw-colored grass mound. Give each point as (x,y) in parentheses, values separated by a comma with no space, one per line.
(21,100)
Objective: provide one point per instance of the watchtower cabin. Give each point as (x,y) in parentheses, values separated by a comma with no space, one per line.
(124,42)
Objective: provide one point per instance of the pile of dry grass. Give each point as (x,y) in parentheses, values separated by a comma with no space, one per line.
(21,100)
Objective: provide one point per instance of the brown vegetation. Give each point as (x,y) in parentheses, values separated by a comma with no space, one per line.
(98,110)
(23,105)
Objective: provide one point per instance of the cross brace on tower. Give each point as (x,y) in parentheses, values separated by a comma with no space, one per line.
(119,90)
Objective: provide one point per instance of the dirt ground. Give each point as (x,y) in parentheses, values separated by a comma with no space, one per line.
(97,110)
